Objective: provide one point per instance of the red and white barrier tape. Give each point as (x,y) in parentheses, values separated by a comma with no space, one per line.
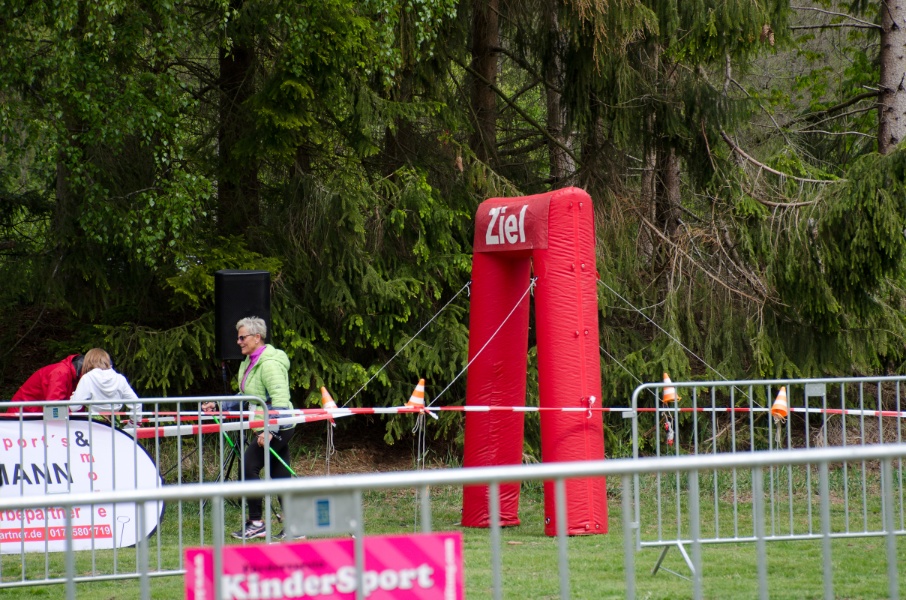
(233,421)
(181,430)
(391,410)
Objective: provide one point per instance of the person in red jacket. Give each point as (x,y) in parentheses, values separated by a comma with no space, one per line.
(53,382)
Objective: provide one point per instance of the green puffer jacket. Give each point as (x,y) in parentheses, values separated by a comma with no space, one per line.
(268,379)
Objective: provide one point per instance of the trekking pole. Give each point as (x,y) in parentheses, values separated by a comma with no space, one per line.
(274,452)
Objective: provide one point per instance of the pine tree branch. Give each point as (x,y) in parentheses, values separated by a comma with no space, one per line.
(833,26)
(722,236)
(840,116)
(694,262)
(755,197)
(868,24)
(780,129)
(832,109)
(527,68)
(763,166)
(822,131)
(542,130)
(521,150)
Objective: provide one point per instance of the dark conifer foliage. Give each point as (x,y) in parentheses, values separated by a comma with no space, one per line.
(747,225)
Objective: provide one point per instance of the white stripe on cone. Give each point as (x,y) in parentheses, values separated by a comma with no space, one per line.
(417,399)
(780,409)
(669,391)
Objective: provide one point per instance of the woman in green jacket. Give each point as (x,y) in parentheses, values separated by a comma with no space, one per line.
(263,373)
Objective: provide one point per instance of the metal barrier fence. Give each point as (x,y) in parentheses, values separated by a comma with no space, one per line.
(724,419)
(50,455)
(626,470)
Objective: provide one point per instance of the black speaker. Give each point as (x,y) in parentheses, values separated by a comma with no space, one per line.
(239,294)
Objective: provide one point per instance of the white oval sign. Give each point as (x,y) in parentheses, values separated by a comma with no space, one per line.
(57,457)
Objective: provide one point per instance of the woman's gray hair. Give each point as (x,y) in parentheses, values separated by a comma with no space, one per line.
(253,326)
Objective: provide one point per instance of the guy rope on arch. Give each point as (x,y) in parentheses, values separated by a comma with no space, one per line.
(548,241)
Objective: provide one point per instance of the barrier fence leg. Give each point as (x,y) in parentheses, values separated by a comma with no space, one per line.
(70,558)
(695,531)
(825,533)
(143,559)
(628,541)
(758,508)
(425,502)
(217,537)
(660,559)
(887,508)
(563,547)
(359,545)
(494,509)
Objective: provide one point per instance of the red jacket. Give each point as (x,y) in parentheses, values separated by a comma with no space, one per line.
(53,382)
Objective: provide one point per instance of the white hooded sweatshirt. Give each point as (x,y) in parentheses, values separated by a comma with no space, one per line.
(106,384)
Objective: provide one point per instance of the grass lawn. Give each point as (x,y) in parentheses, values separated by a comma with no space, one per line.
(529,558)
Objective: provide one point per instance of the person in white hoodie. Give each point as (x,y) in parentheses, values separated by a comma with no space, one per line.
(100,382)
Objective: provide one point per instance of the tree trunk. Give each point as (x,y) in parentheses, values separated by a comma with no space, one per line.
(668,191)
(485,41)
(65,218)
(648,189)
(648,193)
(562,166)
(892,100)
(400,140)
(238,177)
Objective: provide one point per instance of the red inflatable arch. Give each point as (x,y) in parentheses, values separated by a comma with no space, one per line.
(551,236)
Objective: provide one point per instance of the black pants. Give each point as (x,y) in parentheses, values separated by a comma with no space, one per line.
(254,464)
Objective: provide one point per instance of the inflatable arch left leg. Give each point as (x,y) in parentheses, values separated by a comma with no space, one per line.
(553,234)
(496,378)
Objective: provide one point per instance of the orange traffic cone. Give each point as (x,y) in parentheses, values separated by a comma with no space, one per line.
(417,399)
(328,403)
(780,409)
(326,399)
(669,391)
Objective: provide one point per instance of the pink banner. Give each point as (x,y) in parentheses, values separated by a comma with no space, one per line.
(417,566)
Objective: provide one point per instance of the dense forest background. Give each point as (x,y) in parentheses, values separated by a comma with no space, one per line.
(743,156)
